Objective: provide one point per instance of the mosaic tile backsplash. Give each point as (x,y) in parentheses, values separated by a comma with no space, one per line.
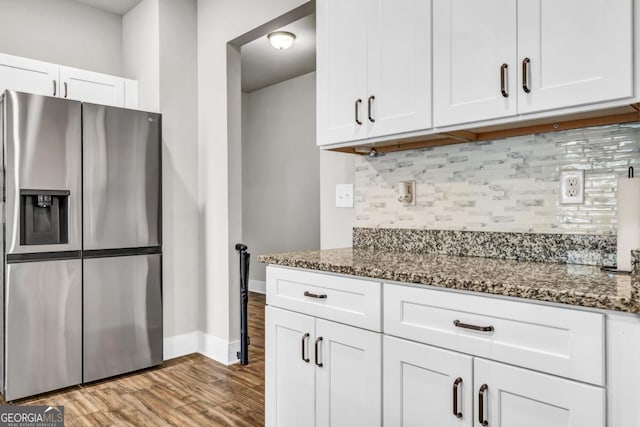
(508,185)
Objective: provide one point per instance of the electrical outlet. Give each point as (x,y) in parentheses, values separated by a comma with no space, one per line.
(344,195)
(572,187)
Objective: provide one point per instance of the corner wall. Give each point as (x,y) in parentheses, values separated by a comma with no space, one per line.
(220,22)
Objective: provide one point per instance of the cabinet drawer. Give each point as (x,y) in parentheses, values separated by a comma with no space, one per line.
(346,300)
(564,342)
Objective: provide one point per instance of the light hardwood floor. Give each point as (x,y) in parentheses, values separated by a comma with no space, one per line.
(188,391)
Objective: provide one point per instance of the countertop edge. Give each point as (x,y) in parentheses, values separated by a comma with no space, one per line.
(546,294)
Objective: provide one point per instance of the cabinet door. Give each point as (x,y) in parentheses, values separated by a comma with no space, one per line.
(27,75)
(348,376)
(91,87)
(518,397)
(399,71)
(341,70)
(580,52)
(290,374)
(420,383)
(471,42)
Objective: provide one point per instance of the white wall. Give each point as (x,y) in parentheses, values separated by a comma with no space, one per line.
(280,170)
(336,224)
(141,52)
(161,52)
(218,23)
(179,107)
(63,32)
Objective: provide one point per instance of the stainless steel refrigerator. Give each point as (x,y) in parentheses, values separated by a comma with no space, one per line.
(82,281)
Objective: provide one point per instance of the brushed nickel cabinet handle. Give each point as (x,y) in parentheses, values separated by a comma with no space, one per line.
(318,341)
(526,65)
(369,105)
(55,87)
(66,89)
(318,296)
(358,102)
(305,337)
(459,324)
(456,384)
(481,393)
(503,80)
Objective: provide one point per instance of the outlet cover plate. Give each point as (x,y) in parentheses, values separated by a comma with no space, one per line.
(572,187)
(344,195)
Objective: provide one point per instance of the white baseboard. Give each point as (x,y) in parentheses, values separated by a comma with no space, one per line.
(198,342)
(181,345)
(259,286)
(218,349)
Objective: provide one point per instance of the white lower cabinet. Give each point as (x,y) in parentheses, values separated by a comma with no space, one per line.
(441,359)
(516,397)
(290,374)
(321,373)
(425,385)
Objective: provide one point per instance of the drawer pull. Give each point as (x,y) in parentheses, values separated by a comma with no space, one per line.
(526,65)
(503,80)
(369,104)
(459,324)
(304,340)
(481,393)
(310,295)
(456,383)
(318,363)
(55,87)
(358,102)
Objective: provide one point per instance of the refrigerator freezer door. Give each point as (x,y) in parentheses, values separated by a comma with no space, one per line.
(122,315)
(42,152)
(43,340)
(122,179)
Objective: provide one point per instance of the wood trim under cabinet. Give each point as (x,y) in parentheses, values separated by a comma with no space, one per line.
(508,130)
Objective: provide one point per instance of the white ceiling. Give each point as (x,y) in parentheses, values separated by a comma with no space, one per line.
(119,7)
(263,65)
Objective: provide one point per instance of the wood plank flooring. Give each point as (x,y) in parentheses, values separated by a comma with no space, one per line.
(188,391)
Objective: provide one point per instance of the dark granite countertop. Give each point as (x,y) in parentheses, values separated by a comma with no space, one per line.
(580,285)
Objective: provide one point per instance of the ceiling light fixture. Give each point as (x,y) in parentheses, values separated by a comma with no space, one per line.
(281,39)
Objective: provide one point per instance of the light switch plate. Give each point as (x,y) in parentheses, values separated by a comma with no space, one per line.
(344,195)
(572,187)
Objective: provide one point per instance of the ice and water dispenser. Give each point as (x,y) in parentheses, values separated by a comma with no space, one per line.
(44,217)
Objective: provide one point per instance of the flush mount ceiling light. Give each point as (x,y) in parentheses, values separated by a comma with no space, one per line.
(281,39)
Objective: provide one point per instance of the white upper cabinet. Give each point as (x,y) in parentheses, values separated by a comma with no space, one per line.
(96,88)
(341,70)
(373,68)
(574,52)
(399,70)
(392,69)
(42,78)
(28,75)
(474,65)
(499,58)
